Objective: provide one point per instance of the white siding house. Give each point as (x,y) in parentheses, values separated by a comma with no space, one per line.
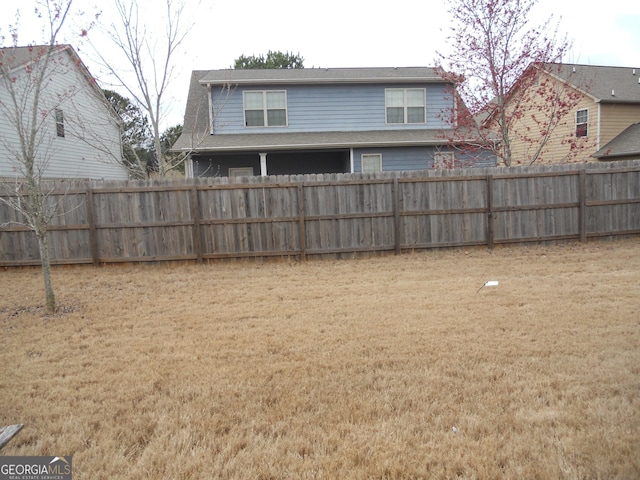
(77,133)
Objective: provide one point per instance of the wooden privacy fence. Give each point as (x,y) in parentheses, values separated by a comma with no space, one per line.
(327,215)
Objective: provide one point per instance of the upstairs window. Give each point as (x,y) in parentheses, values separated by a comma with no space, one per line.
(406,105)
(59,123)
(582,120)
(265,108)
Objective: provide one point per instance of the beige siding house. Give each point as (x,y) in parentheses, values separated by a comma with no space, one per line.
(580,108)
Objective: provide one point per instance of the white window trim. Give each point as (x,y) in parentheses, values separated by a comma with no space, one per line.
(442,160)
(586,123)
(599,121)
(59,123)
(371,156)
(241,172)
(265,110)
(406,109)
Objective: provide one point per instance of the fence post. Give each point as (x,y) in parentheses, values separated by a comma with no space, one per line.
(582,193)
(93,235)
(396,213)
(195,215)
(301,226)
(490,211)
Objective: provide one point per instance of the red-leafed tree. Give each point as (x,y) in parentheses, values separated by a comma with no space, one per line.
(498,57)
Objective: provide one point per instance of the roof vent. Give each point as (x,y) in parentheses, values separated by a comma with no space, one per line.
(574,69)
(634,71)
(613,93)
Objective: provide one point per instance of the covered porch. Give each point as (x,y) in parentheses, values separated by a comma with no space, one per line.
(270,163)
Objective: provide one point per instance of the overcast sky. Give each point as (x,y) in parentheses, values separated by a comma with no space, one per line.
(354,33)
(361,33)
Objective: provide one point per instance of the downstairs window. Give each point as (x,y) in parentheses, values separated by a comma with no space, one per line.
(372,163)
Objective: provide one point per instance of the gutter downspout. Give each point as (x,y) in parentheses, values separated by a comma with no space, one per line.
(599,124)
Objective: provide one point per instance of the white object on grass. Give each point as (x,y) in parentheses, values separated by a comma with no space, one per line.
(490,283)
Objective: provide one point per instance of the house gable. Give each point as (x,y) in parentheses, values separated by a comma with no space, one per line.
(564,144)
(602,83)
(607,97)
(78,132)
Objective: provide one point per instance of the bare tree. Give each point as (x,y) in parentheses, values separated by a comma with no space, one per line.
(150,51)
(493,51)
(27,104)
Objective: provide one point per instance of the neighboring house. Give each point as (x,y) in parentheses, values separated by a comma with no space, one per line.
(78,135)
(305,121)
(600,102)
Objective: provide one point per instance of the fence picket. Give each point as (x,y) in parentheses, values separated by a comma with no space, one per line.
(328,215)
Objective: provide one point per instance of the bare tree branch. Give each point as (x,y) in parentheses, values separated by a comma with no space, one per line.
(151,62)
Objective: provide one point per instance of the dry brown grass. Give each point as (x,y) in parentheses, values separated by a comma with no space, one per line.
(333,369)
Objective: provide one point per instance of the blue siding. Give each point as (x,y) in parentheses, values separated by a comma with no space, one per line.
(420,158)
(317,108)
(479,159)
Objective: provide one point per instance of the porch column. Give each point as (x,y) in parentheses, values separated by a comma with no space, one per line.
(263,164)
(188,167)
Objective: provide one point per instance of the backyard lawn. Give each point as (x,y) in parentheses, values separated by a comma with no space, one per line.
(398,367)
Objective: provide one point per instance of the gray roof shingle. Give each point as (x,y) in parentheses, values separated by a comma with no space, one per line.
(17,57)
(310,140)
(625,144)
(605,84)
(322,75)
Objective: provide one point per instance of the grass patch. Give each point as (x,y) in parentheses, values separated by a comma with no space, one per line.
(333,369)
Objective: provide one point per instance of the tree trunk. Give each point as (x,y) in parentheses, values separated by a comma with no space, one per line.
(50,298)
(505,144)
(506,152)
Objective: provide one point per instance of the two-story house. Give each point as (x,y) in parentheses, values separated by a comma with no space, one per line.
(76,132)
(597,104)
(320,120)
